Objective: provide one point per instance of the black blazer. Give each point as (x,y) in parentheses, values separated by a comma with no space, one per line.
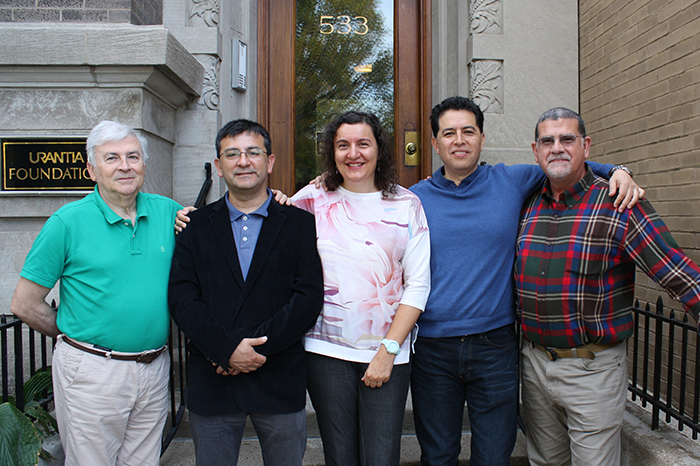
(216,308)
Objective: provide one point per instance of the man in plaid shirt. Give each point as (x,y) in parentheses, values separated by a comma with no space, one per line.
(575,268)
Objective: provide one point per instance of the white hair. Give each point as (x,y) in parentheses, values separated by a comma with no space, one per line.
(111,131)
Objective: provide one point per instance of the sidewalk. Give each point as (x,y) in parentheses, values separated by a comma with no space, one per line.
(181,450)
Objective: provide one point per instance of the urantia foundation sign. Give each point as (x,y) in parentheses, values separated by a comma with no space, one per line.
(45,165)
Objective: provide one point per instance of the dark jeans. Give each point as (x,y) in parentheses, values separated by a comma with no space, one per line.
(217,439)
(480,369)
(360,426)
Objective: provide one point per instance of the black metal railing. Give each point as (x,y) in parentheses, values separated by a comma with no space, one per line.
(206,186)
(178,383)
(15,369)
(665,360)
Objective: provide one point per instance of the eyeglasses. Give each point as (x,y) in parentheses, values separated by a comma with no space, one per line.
(235,154)
(565,140)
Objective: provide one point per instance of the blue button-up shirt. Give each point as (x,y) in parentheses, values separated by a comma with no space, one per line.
(246,229)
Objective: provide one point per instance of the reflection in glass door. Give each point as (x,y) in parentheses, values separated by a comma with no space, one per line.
(344,61)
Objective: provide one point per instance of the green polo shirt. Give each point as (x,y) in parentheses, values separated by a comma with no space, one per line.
(114,276)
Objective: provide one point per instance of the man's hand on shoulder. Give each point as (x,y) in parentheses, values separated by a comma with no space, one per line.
(245,359)
(628,192)
(319,182)
(281,198)
(182,218)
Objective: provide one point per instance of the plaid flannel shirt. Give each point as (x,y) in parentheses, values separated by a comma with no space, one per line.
(574,270)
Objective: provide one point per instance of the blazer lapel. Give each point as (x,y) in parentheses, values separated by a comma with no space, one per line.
(221,224)
(271,228)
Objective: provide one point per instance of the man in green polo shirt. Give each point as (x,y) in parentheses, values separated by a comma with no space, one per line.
(112,252)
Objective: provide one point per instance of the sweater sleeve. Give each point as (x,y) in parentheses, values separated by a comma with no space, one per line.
(601,169)
(529,178)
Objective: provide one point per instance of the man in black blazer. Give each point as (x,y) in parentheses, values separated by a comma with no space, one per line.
(245,285)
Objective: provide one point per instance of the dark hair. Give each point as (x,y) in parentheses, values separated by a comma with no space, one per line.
(384,175)
(235,127)
(560,113)
(455,103)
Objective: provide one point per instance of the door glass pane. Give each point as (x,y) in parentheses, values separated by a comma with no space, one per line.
(344,61)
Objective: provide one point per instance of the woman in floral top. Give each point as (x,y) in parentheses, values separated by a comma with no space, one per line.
(374,245)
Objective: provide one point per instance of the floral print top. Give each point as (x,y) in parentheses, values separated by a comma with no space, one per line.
(376,254)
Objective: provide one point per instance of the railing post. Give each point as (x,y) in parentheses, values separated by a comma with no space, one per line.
(669,372)
(5,365)
(684,369)
(202,196)
(19,366)
(696,397)
(645,370)
(657,366)
(635,350)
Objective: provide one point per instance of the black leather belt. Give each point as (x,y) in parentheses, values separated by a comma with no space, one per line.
(145,357)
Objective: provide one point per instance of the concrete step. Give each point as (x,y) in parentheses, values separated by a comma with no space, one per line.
(181,450)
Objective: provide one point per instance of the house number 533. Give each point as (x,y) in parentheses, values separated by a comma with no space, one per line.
(343,25)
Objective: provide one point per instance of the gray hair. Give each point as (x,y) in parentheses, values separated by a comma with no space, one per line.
(111,131)
(560,113)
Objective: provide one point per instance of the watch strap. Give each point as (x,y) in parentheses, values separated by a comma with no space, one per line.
(392,346)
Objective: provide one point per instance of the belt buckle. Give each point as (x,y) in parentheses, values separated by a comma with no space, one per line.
(551,354)
(148,357)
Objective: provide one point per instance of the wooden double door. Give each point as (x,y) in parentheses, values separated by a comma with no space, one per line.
(317,58)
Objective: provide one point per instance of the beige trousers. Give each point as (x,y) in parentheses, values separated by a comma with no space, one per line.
(109,412)
(573,407)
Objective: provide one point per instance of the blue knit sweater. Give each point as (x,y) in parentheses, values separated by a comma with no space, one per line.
(473,228)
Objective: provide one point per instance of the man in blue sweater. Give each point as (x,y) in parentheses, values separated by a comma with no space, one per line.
(466,348)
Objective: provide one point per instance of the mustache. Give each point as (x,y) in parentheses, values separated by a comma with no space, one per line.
(564,156)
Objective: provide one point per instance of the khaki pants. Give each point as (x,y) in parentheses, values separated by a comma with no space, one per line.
(573,407)
(109,412)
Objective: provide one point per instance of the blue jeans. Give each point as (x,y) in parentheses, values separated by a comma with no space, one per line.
(217,439)
(359,425)
(481,369)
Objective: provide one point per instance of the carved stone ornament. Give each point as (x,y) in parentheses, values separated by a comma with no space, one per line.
(210,88)
(486,89)
(486,16)
(207,10)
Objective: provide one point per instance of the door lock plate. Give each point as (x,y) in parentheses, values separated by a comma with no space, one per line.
(411,148)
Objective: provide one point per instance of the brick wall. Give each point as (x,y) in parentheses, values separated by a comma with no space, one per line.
(640,89)
(640,99)
(82,11)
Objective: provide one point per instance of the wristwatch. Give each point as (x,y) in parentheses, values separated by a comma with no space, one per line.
(392,347)
(623,168)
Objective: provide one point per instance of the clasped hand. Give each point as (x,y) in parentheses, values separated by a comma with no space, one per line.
(244,359)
